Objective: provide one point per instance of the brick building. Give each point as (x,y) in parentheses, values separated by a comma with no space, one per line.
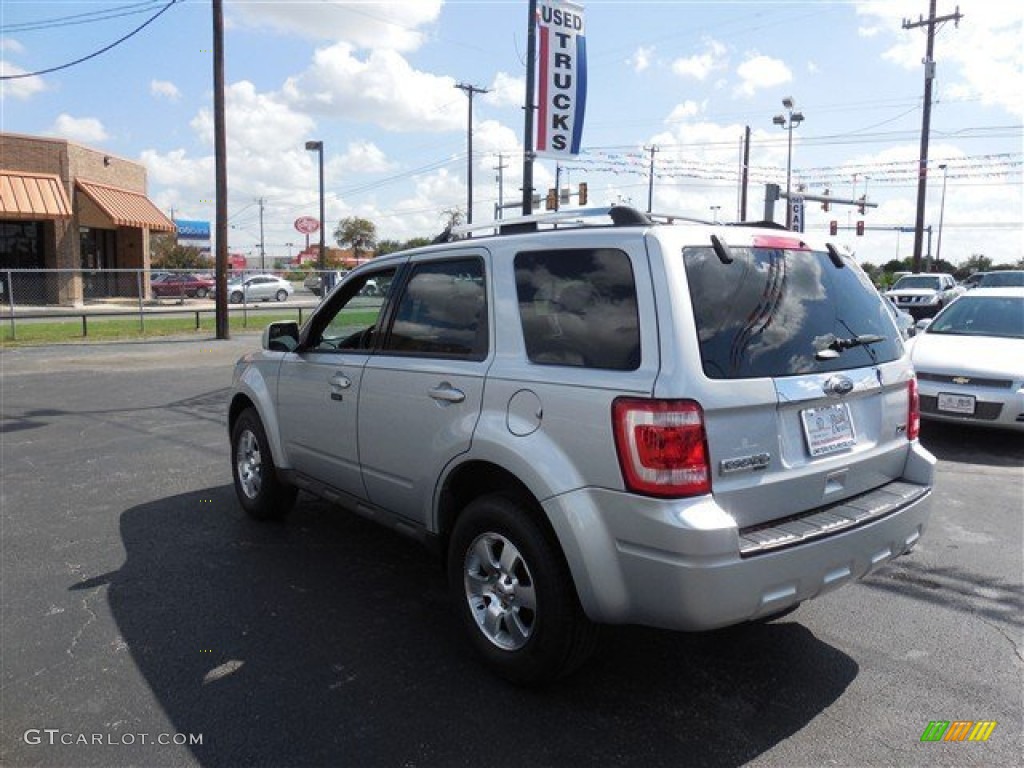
(81,211)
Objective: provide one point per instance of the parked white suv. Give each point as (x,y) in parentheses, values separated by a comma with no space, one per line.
(621,420)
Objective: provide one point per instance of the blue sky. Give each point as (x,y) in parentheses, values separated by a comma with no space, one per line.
(375,82)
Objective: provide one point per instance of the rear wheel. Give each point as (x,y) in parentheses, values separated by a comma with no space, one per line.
(201,293)
(261,493)
(235,297)
(515,595)
(282,295)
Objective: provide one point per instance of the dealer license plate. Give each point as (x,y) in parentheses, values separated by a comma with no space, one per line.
(956,403)
(828,429)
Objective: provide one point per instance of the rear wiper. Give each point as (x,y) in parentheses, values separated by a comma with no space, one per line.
(837,345)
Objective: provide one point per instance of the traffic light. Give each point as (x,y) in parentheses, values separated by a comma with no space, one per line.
(833,227)
(860,206)
(583,193)
(860,228)
(826,205)
(552,202)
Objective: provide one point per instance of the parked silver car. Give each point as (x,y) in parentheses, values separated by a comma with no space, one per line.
(258,288)
(623,420)
(923,295)
(970,360)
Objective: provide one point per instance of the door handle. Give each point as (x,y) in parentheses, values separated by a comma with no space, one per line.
(341,381)
(446,393)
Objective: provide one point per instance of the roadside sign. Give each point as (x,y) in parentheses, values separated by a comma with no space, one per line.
(307,225)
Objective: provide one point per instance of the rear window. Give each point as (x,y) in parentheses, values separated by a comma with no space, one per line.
(578,308)
(770,312)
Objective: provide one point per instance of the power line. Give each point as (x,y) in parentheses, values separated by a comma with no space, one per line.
(79,18)
(94,54)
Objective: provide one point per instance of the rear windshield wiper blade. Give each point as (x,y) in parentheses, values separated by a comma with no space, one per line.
(838,345)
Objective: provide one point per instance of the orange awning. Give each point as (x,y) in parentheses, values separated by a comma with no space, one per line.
(126,209)
(33,196)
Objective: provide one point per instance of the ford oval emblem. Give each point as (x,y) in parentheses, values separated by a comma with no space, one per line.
(838,386)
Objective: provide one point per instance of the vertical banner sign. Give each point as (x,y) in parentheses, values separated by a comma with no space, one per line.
(562,77)
(796,213)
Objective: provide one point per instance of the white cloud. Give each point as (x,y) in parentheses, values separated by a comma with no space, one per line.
(683,111)
(506,91)
(87,130)
(12,45)
(383,89)
(165,89)
(699,66)
(391,25)
(759,72)
(23,87)
(641,58)
(365,157)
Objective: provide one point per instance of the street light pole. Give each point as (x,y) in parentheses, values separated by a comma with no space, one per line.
(714,213)
(318,147)
(794,119)
(942,213)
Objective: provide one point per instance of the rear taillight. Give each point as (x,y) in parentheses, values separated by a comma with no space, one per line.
(662,446)
(914,413)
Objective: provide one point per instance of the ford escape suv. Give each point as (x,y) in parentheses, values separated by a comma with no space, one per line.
(600,417)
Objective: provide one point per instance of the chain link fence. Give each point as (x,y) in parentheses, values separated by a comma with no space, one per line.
(39,294)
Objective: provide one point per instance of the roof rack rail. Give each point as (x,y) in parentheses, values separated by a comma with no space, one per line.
(620,216)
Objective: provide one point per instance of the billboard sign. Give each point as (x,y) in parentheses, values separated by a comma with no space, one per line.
(562,78)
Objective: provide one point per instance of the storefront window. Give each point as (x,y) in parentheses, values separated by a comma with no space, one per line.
(21,244)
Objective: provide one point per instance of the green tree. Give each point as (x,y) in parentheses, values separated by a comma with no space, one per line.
(978,263)
(167,254)
(416,242)
(385,247)
(357,233)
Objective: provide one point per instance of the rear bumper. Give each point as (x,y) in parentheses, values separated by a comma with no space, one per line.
(681,565)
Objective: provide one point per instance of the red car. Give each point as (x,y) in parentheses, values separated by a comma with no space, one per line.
(188,284)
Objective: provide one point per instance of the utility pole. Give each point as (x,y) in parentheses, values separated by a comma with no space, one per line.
(529,107)
(929,76)
(500,167)
(650,178)
(263,253)
(220,154)
(469,91)
(745,174)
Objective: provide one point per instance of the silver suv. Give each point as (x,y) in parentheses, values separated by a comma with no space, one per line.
(618,420)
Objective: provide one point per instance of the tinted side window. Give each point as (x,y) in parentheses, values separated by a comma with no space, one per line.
(579,308)
(442,312)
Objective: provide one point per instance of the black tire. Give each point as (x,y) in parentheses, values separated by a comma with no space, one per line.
(260,491)
(235,297)
(525,620)
(201,293)
(281,295)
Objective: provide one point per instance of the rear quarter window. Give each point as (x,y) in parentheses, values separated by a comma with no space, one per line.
(578,308)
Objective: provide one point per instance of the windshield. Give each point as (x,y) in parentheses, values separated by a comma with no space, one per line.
(773,313)
(1002,280)
(917,281)
(1001,316)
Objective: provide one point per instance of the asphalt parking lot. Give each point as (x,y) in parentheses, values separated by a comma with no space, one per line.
(146,621)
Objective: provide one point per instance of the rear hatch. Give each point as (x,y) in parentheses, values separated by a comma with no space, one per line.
(802,378)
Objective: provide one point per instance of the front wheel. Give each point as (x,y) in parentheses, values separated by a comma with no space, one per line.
(282,295)
(260,492)
(235,297)
(201,293)
(515,595)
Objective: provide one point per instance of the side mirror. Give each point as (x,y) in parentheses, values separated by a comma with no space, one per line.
(281,336)
(923,323)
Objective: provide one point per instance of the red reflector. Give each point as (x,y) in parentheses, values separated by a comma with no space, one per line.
(662,446)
